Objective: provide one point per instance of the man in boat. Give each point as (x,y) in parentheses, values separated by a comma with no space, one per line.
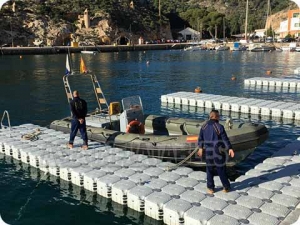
(79,111)
(212,139)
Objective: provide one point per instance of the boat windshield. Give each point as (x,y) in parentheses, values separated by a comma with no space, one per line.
(132,102)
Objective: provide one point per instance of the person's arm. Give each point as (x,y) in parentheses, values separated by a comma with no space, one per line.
(226,141)
(200,143)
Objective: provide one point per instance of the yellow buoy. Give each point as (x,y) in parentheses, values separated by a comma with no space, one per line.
(198,90)
(21,57)
(268,72)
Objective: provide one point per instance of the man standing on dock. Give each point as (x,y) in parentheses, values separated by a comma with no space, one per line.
(212,139)
(79,111)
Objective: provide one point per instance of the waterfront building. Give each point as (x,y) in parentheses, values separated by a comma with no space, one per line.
(291,25)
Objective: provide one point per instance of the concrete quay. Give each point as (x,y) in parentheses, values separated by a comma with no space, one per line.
(98,48)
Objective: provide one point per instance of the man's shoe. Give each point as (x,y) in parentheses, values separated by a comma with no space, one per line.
(226,190)
(70,146)
(210,191)
(84,147)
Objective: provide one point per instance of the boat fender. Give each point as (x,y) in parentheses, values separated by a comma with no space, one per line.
(137,125)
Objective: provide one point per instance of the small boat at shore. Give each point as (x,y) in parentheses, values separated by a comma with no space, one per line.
(261,48)
(89,52)
(172,139)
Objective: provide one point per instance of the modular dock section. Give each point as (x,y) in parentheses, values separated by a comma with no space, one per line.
(269,194)
(278,109)
(273,82)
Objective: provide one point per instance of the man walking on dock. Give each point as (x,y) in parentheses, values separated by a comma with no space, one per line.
(79,111)
(212,139)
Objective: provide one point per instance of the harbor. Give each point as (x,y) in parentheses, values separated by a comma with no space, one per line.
(40,77)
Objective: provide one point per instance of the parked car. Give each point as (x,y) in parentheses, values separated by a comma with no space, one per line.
(289,40)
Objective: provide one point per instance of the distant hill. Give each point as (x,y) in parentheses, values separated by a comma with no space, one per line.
(55,20)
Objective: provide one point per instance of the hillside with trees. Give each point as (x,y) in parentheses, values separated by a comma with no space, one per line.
(151,19)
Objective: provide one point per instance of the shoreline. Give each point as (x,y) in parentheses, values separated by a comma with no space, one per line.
(102,48)
(97,48)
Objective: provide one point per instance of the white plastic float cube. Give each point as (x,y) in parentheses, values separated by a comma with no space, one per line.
(173,190)
(154,205)
(136,197)
(252,81)
(265,82)
(105,183)
(193,101)
(177,100)
(198,216)
(120,190)
(288,113)
(34,159)
(200,103)
(259,82)
(293,84)
(174,211)
(278,83)
(272,83)
(10,146)
(25,153)
(235,107)
(65,170)
(217,105)
(54,166)
(77,175)
(286,83)
(297,114)
(90,179)
(16,150)
(164,98)
(265,111)
(247,81)
(226,106)
(45,162)
(8,150)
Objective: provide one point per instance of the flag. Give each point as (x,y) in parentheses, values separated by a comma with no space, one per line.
(83,68)
(68,68)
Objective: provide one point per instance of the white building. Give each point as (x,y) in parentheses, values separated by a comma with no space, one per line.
(190,34)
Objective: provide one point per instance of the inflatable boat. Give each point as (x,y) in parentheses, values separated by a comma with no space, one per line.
(125,125)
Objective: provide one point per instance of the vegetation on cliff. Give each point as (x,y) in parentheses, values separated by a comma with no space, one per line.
(141,17)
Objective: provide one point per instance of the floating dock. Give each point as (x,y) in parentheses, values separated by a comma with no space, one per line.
(273,82)
(278,109)
(269,194)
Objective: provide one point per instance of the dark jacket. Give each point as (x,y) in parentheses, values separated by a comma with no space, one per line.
(78,108)
(212,136)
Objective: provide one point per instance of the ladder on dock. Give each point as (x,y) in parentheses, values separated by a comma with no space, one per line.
(101,100)
(5,113)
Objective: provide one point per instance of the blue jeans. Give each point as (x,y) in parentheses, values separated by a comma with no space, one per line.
(75,125)
(213,159)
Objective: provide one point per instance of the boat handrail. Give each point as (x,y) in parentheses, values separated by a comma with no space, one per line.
(5,113)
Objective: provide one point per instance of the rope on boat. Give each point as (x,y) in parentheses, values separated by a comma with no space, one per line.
(32,136)
(169,168)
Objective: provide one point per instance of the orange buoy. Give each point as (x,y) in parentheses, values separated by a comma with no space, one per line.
(21,57)
(198,90)
(268,72)
(233,78)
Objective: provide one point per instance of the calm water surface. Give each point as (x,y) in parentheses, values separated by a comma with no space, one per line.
(31,89)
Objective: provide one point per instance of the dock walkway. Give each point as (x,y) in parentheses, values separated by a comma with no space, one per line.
(278,109)
(273,82)
(269,194)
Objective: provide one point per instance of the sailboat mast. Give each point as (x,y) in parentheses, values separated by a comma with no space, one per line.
(246,20)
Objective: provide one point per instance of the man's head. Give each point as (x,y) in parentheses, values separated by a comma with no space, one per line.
(75,93)
(214,115)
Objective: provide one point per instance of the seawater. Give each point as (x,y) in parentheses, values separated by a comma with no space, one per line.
(31,89)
